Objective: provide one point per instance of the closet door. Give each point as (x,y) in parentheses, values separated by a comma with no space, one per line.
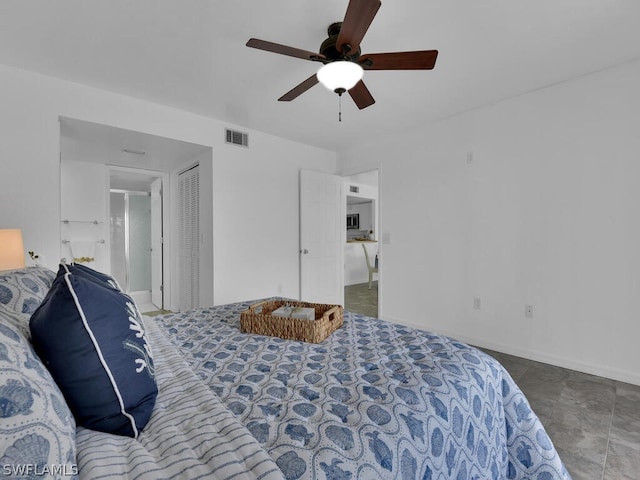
(189,206)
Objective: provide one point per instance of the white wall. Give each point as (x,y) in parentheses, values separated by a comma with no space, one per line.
(257,201)
(255,190)
(546,214)
(85,200)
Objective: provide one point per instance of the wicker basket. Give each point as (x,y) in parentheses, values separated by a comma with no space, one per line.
(258,319)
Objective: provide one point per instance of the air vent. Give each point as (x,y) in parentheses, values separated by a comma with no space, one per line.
(354,189)
(237,138)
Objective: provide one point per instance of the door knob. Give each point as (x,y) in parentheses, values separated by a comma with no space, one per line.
(305,251)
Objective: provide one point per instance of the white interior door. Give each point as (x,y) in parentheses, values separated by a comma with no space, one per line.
(321,238)
(156,244)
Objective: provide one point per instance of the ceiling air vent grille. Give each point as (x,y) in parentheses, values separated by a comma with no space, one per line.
(237,138)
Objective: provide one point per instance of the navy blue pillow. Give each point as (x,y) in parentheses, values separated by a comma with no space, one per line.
(92,340)
(89,274)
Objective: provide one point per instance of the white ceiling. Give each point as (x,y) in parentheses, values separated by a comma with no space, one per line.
(92,142)
(95,143)
(191,54)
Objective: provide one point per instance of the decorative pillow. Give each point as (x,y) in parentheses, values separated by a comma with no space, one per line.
(22,290)
(92,340)
(37,430)
(90,274)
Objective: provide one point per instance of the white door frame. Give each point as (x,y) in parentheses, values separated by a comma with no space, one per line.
(157,247)
(380,236)
(166,251)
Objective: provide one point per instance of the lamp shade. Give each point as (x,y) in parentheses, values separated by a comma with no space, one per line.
(340,75)
(11,249)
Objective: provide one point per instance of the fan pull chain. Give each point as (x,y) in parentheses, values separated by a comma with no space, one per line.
(339,91)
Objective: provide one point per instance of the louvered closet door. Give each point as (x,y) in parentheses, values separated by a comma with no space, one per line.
(189,199)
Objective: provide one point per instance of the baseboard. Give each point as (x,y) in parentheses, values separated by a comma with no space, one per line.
(536,355)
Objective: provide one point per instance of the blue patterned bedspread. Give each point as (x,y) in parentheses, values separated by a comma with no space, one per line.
(374,400)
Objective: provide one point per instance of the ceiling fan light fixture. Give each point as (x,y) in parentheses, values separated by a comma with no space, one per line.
(341,75)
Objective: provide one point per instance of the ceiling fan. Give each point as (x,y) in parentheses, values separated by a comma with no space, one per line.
(343,62)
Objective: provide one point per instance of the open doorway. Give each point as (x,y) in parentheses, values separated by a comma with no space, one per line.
(136,235)
(361,255)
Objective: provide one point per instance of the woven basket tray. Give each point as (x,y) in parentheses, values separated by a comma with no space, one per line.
(258,319)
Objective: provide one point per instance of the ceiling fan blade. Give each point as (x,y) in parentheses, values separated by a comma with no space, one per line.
(284,50)
(360,14)
(361,95)
(299,89)
(419,60)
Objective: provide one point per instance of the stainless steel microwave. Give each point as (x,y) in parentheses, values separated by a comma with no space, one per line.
(353,221)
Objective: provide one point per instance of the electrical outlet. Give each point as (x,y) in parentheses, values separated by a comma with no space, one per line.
(528,311)
(476,303)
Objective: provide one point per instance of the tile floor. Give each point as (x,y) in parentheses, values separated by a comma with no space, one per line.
(150,310)
(359,299)
(594,422)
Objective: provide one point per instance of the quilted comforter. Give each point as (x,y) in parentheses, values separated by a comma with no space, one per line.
(374,400)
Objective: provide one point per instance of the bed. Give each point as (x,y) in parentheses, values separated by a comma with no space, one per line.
(374,400)
(191,434)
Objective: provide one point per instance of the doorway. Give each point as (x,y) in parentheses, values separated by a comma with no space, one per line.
(362,253)
(136,233)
